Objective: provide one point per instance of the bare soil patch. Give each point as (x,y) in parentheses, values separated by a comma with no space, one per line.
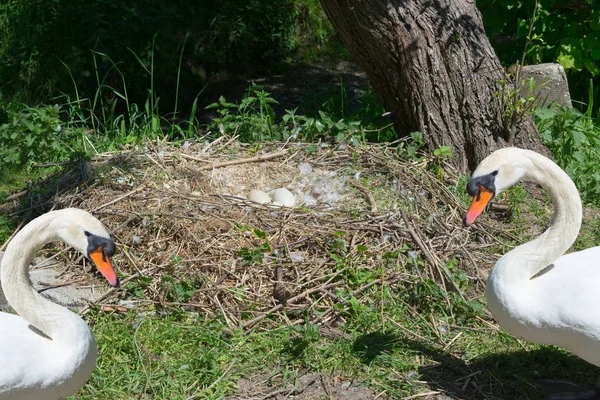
(310,386)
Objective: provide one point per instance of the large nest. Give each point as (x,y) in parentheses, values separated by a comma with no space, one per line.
(188,238)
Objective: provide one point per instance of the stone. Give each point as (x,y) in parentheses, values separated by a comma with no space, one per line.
(551,85)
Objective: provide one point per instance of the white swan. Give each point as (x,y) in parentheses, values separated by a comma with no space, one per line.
(534,291)
(48,352)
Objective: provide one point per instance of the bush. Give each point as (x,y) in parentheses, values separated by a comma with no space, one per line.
(30,135)
(564,32)
(37,36)
(574,140)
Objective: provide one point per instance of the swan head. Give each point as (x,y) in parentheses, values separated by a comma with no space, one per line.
(496,173)
(85,233)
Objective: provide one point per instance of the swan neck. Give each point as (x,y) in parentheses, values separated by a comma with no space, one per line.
(565,224)
(46,316)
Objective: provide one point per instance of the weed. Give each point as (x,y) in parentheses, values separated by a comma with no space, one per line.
(411,145)
(254,120)
(440,155)
(338,245)
(574,140)
(307,335)
(137,287)
(443,153)
(513,104)
(179,290)
(35,135)
(255,255)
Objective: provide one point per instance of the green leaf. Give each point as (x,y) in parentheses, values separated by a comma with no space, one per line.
(592,67)
(443,152)
(567,61)
(361,248)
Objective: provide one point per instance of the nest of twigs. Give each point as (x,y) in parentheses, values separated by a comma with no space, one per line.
(187,238)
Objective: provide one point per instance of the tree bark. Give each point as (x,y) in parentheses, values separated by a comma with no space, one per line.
(435,70)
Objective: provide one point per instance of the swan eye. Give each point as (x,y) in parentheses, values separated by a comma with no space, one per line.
(95,242)
(486,181)
(86,233)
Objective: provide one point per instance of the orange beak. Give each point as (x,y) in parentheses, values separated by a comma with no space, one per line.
(103,264)
(479,202)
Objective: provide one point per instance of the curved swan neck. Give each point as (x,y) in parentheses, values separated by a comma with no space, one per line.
(530,258)
(48,317)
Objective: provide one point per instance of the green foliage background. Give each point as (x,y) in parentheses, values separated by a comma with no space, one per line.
(565,31)
(43,42)
(38,36)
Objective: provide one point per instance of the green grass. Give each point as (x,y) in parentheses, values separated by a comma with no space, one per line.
(148,356)
(181,356)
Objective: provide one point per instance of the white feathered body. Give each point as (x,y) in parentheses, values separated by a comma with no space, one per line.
(560,307)
(536,291)
(33,367)
(46,351)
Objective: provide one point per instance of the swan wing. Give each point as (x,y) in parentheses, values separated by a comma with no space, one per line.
(568,303)
(27,369)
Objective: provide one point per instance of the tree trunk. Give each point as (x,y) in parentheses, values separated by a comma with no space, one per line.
(435,70)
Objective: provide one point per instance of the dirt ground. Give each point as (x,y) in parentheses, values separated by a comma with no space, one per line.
(311,386)
(304,86)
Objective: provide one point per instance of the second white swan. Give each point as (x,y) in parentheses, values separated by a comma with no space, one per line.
(48,352)
(534,291)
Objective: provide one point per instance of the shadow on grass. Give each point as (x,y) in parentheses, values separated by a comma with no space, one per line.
(64,187)
(509,376)
(303,86)
(368,347)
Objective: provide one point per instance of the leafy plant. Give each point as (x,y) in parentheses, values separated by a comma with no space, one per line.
(335,102)
(411,145)
(443,152)
(255,255)
(513,104)
(35,135)
(574,139)
(254,120)
(138,287)
(178,290)
(306,335)
(339,245)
